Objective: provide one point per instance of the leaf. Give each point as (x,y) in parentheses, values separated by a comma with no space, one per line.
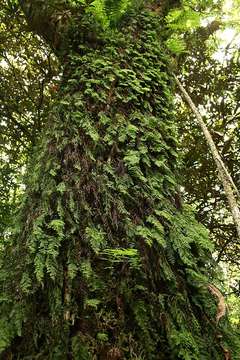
(96,237)
(132,157)
(183,19)
(57,225)
(120,255)
(102,337)
(61,187)
(176,44)
(72,270)
(92,303)
(26,282)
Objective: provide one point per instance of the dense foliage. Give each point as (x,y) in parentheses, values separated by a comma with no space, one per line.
(105,261)
(215,90)
(26,70)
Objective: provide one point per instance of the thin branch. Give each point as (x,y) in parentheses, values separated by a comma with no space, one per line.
(224,175)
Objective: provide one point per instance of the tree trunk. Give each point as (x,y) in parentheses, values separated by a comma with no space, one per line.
(106,262)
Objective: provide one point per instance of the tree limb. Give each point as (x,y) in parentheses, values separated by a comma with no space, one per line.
(44,18)
(224,175)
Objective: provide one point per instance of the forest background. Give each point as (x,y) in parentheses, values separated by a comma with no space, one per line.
(204,45)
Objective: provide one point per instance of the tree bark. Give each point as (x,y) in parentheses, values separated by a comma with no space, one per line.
(106,262)
(48,19)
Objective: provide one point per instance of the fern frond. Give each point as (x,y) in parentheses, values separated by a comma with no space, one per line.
(109,12)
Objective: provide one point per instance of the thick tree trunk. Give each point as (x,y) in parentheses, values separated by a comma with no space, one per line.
(108,264)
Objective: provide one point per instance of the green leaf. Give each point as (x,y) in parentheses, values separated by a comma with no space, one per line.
(103,337)
(61,187)
(96,238)
(57,225)
(132,157)
(176,44)
(92,303)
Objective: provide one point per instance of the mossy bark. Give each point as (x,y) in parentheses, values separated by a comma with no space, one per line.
(106,262)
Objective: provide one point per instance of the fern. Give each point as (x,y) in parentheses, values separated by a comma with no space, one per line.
(179,21)
(176,44)
(115,9)
(92,303)
(109,12)
(96,238)
(123,255)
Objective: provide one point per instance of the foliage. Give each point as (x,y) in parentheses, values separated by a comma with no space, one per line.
(23,101)
(211,71)
(185,19)
(109,12)
(215,89)
(105,260)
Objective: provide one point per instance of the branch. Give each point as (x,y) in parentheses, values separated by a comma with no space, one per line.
(224,175)
(222,308)
(46,19)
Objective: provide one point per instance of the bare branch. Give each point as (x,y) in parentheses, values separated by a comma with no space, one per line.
(224,175)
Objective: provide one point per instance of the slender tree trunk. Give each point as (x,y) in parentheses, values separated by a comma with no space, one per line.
(230,189)
(106,262)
